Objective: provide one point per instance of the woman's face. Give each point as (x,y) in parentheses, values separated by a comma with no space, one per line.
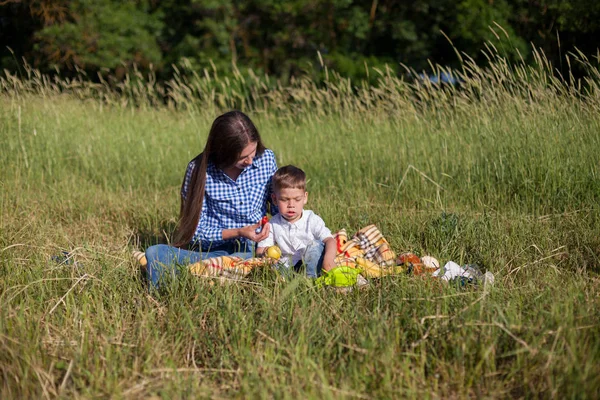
(247,156)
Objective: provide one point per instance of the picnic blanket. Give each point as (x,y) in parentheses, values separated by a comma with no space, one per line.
(367,251)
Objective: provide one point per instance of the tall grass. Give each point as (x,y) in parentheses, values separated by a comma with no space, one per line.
(501,170)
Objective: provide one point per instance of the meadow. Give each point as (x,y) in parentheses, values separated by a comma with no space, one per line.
(501,170)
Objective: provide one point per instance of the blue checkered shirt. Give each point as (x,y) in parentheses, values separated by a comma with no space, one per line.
(230,204)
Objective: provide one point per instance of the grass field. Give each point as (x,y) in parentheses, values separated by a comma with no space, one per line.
(503,172)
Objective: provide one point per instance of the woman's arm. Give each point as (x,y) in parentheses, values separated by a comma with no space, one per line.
(248,232)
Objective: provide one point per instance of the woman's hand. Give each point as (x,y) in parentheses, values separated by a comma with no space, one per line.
(249,232)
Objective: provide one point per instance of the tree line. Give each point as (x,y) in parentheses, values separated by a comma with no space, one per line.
(285,38)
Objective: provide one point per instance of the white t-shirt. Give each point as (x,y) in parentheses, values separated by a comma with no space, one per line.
(293,238)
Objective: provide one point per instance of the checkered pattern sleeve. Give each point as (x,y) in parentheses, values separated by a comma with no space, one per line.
(207,231)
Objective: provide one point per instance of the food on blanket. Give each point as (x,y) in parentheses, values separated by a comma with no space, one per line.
(411,262)
(430,263)
(408,258)
(416,269)
(274,252)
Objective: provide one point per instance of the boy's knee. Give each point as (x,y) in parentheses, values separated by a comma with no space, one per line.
(315,245)
(313,258)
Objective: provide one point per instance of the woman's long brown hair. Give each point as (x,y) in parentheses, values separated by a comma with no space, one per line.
(229,135)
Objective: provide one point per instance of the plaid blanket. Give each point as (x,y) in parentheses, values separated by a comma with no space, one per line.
(367,250)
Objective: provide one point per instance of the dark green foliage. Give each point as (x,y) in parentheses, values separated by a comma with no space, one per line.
(90,35)
(282,38)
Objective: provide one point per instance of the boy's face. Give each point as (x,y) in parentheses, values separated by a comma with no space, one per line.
(290,203)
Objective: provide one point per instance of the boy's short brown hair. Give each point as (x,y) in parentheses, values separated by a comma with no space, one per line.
(289,177)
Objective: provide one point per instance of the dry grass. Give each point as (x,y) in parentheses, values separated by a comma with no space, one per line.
(501,170)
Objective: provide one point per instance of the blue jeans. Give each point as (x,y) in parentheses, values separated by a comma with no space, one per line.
(163,260)
(312,260)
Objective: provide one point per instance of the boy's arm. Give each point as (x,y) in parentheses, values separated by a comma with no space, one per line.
(330,252)
(322,233)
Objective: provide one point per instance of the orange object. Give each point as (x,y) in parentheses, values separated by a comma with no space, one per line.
(406,258)
(418,269)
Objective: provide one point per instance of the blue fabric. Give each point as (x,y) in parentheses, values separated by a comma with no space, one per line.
(164,261)
(313,259)
(230,204)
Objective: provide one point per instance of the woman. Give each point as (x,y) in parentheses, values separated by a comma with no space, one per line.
(224,195)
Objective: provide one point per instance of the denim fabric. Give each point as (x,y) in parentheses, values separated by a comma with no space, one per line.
(313,259)
(164,260)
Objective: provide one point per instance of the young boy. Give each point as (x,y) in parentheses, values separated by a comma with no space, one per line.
(300,234)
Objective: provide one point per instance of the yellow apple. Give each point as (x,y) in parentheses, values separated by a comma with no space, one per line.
(274,252)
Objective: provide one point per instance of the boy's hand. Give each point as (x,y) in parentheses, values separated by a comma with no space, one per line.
(328,263)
